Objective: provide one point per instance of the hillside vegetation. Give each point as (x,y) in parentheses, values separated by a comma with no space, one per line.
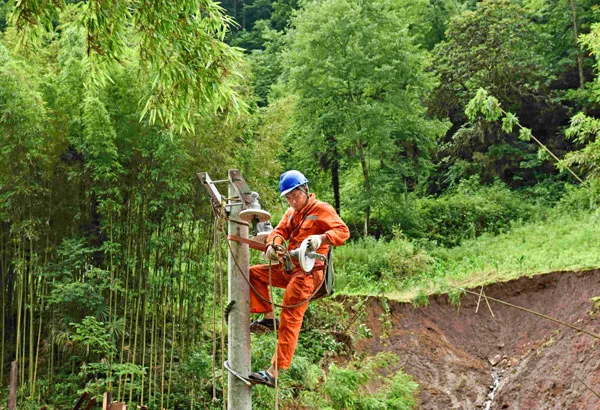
(560,239)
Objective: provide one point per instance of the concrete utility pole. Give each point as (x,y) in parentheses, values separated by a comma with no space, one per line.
(239,396)
(242,209)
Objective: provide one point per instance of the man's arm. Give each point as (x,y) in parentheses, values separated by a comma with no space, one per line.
(337,232)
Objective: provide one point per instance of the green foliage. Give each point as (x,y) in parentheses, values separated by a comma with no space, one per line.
(585,131)
(99,376)
(179,48)
(564,240)
(265,64)
(471,210)
(404,258)
(422,299)
(346,387)
(91,335)
(454,296)
(101,222)
(525,134)
(504,58)
(508,60)
(563,21)
(487,106)
(580,198)
(361,263)
(377,266)
(358,78)
(77,287)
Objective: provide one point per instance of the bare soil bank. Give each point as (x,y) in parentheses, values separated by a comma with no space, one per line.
(456,354)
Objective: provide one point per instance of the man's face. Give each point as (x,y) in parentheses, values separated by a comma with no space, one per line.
(297,199)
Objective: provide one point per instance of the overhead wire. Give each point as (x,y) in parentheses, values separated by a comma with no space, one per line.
(485,297)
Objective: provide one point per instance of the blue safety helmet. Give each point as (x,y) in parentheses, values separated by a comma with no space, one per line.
(291,180)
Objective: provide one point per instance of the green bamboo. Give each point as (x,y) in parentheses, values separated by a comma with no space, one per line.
(39,337)
(3,257)
(19,277)
(173,344)
(164,346)
(126,301)
(143,342)
(31,308)
(140,299)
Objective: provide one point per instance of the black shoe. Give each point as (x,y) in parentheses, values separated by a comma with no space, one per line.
(263,325)
(262,377)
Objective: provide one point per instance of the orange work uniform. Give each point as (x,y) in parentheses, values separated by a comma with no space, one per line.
(315,218)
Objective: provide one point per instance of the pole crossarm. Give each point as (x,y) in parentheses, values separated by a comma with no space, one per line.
(217,200)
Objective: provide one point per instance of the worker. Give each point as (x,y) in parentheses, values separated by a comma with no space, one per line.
(305,218)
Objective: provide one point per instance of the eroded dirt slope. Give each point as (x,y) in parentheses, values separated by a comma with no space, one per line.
(453,352)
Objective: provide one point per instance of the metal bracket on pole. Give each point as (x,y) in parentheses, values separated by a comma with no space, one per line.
(216,199)
(236,374)
(240,187)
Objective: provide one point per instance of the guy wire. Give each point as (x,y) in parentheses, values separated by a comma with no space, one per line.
(534,313)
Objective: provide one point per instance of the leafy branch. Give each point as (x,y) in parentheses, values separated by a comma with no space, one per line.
(488,107)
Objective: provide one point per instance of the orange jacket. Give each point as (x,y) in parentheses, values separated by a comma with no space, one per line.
(316,218)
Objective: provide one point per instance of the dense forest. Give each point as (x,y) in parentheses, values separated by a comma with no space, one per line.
(433,121)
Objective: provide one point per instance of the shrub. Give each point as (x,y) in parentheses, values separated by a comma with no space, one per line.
(374,266)
(471,210)
(577,198)
(363,257)
(347,387)
(404,259)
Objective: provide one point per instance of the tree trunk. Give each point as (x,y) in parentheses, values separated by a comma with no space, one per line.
(19,277)
(335,176)
(579,53)
(164,349)
(363,163)
(3,271)
(31,307)
(243,14)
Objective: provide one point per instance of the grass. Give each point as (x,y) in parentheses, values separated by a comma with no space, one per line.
(564,241)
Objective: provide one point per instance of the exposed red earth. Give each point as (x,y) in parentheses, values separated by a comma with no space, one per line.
(459,356)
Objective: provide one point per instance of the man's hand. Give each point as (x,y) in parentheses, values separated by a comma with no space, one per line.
(314,242)
(271,253)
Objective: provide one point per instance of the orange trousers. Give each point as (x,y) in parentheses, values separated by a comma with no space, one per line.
(298,286)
